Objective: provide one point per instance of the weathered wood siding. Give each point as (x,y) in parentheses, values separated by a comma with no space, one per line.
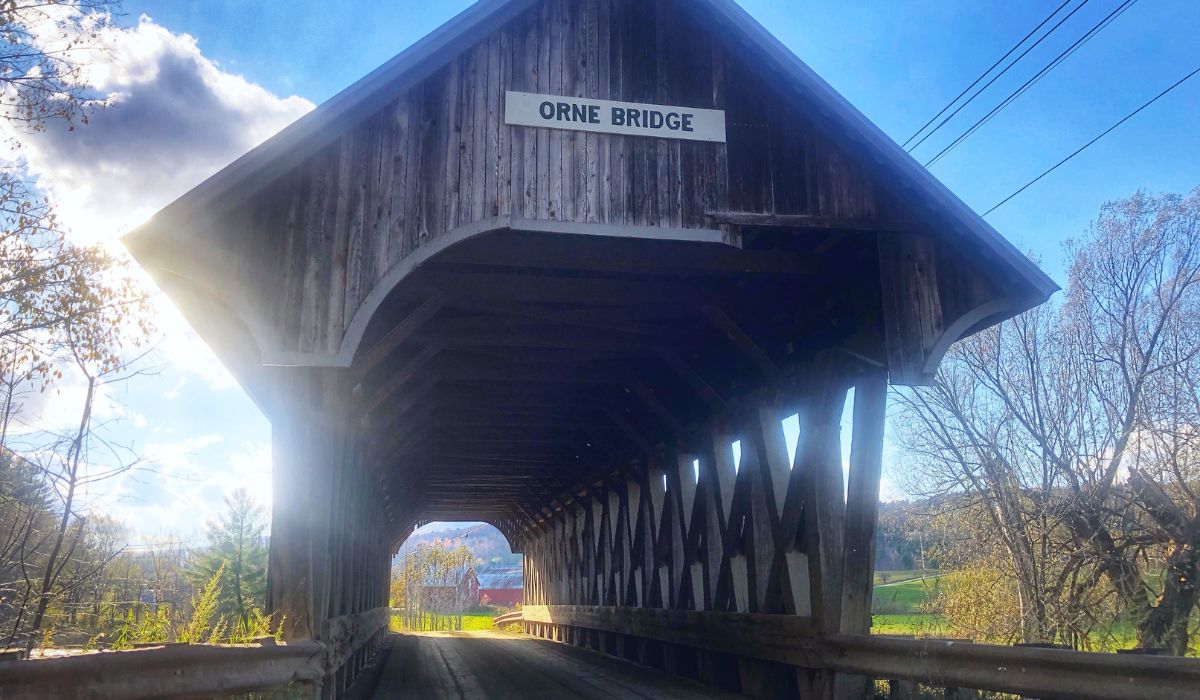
(440,157)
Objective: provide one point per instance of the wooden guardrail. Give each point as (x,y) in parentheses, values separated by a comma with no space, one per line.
(1057,673)
(167,671)
(508,618)
(190,670)
(792,640)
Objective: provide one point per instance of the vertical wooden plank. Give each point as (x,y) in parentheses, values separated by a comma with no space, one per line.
(368,137)
(619,194)
(452,118)
(381,144)
(602,204)
(720,183)
(480,142)
(790,171)
(517,72)
(588,83)
(339,224)
(532,75)
(667,160)
(546,68)
(643,178)
(570,33)
(750,160)
(466,157)
(415,172)
(492,158)
(310,262)
(433,167)
(912,307)
(504,154)
(400,163)
(556,69)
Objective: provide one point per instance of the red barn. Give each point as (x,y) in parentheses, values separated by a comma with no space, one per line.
(503,587)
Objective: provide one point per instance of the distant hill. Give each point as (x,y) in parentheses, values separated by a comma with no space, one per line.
(489,546)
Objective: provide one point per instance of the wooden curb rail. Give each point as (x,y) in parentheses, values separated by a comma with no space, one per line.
(189,670)
(167,671)
(508,618)
(1057,673)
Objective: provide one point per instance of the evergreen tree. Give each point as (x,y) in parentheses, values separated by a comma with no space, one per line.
(236,542)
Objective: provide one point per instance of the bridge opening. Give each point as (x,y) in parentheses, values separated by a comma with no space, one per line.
(453,577)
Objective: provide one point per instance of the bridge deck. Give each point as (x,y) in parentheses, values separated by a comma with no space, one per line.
(497,665)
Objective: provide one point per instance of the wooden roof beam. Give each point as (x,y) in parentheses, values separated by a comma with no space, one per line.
(702,388)
(411,369)
(401,332)
(745,344)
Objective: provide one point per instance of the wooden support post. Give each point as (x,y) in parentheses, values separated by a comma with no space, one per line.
(817,488)
(862,508)
(326,559)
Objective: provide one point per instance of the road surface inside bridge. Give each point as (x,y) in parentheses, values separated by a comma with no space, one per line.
(499,665)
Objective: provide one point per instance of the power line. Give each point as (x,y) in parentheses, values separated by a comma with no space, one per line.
(992,67)
(1127,117)
(1066,53)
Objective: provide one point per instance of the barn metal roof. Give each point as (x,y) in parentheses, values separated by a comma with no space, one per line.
(501,579)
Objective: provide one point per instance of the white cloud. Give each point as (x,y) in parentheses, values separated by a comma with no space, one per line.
(175,117)
(178,458)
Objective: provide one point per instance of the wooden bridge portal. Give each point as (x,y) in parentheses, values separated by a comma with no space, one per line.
(449,313)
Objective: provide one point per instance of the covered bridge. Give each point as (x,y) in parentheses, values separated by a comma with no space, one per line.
(543,269)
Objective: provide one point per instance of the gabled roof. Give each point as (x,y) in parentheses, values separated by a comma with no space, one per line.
(321,126)
(501,579)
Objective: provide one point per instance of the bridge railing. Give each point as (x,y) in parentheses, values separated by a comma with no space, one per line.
(792,641)
(508,618)
(174,670)
(1025,671)
(193,670)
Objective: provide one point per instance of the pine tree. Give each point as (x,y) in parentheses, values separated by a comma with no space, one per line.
(236,542)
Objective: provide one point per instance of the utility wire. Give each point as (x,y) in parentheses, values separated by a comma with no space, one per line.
(1127,117)
(984,74)
(1066,53)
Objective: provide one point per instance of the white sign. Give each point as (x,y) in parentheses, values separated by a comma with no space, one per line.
(605,117)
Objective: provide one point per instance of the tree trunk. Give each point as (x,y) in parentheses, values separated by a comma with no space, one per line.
(1165,625)
(73,459)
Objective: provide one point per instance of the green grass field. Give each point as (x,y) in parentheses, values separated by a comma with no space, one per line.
(884,577)
(904,598)
(898,604)
(469,622)
(900,608)
(911,624)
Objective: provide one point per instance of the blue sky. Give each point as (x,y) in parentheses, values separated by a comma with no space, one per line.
(258,65)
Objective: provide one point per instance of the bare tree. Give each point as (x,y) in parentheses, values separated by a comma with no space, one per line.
(66,311)
(1074,426)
